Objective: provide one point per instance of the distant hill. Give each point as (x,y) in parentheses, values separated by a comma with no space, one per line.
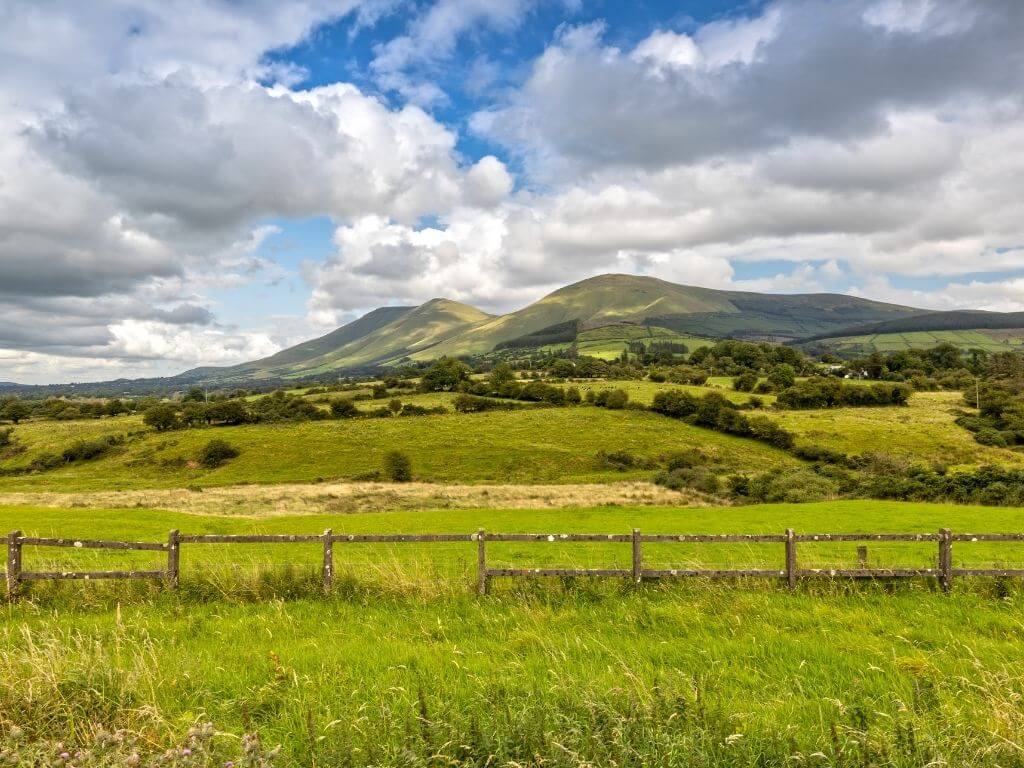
(390,335)
(955,320)
(966,329)
(381,337)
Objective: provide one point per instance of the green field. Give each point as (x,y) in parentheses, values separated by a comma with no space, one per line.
(608,342)
(403,666)
(988,340)
(924,431)
(535,445)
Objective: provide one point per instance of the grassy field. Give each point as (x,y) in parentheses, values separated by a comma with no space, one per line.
(608,342)
(925,431)
(527,446)
(990,341)
(405,667)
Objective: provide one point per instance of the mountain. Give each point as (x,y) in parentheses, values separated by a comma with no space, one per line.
(616,299)
(953,320)
(390,335)
(381,337)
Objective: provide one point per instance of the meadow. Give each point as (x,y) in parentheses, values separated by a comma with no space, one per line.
(401,665)
(534,445)
(987,340)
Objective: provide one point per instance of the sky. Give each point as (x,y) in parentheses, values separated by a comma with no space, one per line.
(189,182)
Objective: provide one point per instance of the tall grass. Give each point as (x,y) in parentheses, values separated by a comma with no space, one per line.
(578,675)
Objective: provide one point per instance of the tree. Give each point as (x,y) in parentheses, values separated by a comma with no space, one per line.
(444,376)
(194,395)
(227,412)
(782,376)
(161,417)
(15,411)
(745,382)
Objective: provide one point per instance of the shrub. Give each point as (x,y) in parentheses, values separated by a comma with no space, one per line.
(343,408)
(615,399)
(792,486)
(745,382)
(397,467)
(676,404)
(698,478)
(395,405)
(623,460)
(6,437)
(86,450)
(216,452)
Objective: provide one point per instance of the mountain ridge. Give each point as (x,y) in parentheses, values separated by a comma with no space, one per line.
(389,336)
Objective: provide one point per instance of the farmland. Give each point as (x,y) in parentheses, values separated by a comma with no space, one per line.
(399,662)
(984,339)
(401,665)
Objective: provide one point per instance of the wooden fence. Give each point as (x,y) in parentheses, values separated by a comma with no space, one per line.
(791,573)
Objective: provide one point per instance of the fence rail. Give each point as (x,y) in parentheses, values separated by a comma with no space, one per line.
(943,571)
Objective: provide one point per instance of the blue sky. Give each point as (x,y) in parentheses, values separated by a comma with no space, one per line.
(240,175)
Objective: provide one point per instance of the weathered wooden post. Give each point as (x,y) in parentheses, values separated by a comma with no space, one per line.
(946,559)
(637,556)
(13,564)
(481,562)
(862,556)
(791,558)
(328,572)
(173,558)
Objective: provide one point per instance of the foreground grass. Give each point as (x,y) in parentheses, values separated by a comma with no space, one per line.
(401,665)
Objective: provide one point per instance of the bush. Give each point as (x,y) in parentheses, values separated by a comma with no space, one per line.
(6,437)
(615,399)
(698,478)
(215,453)
(397,467)
(343,408)
(745,382)
(86,450)
(623,460)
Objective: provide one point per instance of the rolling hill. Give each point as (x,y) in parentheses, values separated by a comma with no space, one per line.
(967,329)
(390,335)
(381,337)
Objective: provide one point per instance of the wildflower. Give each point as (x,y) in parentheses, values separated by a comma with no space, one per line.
(186,751)
(64,755)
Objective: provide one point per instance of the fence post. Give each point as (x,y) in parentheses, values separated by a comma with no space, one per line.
(173,558)
(862,557)
(13,564)
(637,556)
(328,558)
(481,562)
(946,559)
(791,558)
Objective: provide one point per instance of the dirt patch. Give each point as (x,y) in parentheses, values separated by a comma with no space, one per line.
(341,498)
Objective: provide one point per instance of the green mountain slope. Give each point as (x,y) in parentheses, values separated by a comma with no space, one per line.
(440,327)
(610,299)
(385,335)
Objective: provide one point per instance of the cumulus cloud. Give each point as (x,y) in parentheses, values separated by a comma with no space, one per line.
(148,151)
(135,172)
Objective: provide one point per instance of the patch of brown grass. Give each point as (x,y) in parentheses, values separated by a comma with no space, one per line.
(340,498)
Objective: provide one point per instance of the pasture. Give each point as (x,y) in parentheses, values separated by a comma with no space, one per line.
(400,665)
